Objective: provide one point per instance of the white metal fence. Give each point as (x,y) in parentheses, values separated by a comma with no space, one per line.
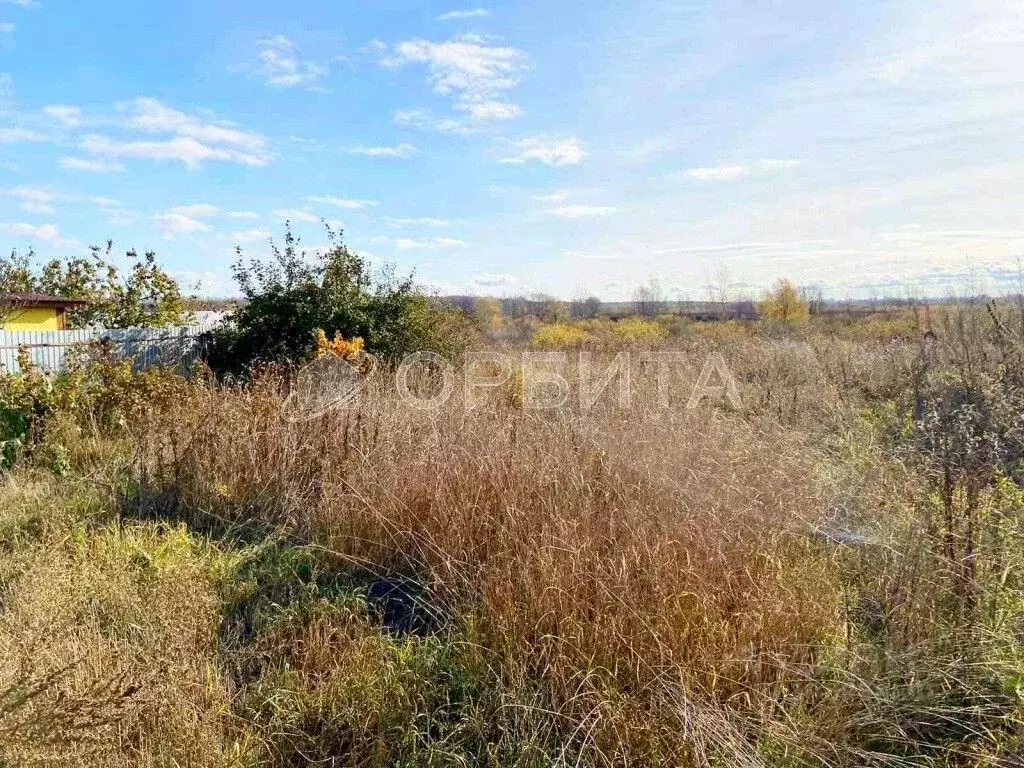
(176,345)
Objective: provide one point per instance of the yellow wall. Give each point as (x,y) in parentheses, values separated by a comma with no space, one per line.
(34,319)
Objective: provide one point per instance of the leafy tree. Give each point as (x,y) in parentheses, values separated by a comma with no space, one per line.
(138,295)
(293,294)
(488,315)
(784,304)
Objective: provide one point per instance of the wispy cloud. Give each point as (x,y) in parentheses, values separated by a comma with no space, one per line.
(171,224)
(67,116)
(733,172)
(401,151)
(250,235)
(21,3)
(489,282)
(185,150)
(424,244)
(296,214)
(34,199)
(198,210)
(192,141)
(469,69)
(545,149)
(421,118)
(185,219)
(92,166)
(341,202)
(582,211)
(7,27)
(150,115)
(17,135)
(280,66)
(422,221)
(42,200)
(489,111)
(46,233)
(470,13)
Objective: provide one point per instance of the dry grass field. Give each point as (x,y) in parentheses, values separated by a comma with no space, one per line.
(828,574)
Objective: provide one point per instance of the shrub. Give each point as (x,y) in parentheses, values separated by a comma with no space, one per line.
(785,305)
(98,394)
(24,399)
(637,331)
(289,298)
(557,335)
(142,295)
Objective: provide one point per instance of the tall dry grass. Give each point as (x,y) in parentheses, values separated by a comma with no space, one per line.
(648,573)
(490,584)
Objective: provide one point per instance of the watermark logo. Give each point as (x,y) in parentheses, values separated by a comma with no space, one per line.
(545,380)
(532,380)
(328,383)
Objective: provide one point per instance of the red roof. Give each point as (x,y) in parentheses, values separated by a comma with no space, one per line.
(39,300)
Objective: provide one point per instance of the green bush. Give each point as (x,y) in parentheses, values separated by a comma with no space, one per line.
(136,293)
(294,294)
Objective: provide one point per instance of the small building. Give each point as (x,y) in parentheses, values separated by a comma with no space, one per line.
(35,311)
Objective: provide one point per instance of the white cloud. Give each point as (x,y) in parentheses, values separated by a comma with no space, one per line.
(241,215)
(491,281)
(121,218)
(93,166)
(280,65)
(186,150)
(429,244)
(192,140)
(152,116)
(546,150)
(420,118)
(339,202)
(21,3)
(171,224)
(717,173)
(733,172)
(17,135)
(47,233)
(196,210)
(552,197)
(41,199)
(250,235)
(582,211)
(424,221)
(68,116)
(471,13)
(296,214)
(34,199)
(40,208)
(469,69)
(185,219)
(402,151)
(7,27)
(490,111)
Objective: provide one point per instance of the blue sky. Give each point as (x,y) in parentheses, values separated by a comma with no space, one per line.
(509,148)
